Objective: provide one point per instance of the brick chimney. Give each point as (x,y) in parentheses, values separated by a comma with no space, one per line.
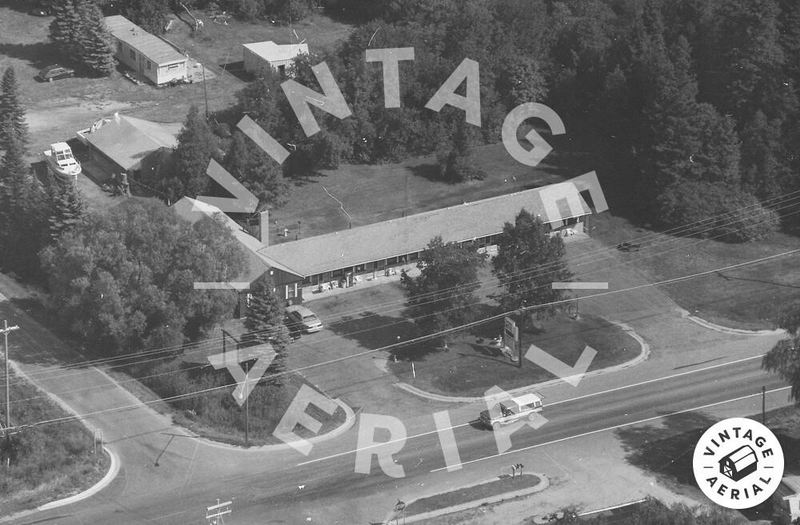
(263,227)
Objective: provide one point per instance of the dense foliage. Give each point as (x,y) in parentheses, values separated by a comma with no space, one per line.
(671,92)
(442,296)
(123,280)
(528,261)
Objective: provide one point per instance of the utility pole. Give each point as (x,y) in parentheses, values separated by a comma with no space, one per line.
(6,329)
(246,408)
(205,89)
(763,405)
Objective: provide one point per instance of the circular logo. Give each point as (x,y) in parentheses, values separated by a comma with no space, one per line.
(738,463)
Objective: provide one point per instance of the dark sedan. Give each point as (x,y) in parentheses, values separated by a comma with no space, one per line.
(55,72)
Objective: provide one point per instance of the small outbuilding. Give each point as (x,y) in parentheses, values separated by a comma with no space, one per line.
(149,56)
(278,57)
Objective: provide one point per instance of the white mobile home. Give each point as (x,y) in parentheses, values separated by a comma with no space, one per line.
(278,57)
(149,56)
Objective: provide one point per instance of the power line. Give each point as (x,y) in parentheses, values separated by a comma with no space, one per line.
(416,340)
(136,357)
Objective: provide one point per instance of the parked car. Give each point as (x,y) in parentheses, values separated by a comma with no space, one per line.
(38,11)
(55,72)
(303,318)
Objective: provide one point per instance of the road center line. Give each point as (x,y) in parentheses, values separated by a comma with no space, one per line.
(618,426)
(648,381)
(340,454)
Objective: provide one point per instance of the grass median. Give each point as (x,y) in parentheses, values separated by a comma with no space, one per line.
(44,463)
(473,494)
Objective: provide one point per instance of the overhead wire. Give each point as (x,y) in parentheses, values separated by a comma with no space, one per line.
(199,344)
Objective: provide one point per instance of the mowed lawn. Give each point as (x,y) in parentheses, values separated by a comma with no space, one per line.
(749,297)
(471,365)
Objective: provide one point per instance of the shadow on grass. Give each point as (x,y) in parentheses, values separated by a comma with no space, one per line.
(237,69)
(372,330)
(429,172)
(39,55)
(666,450)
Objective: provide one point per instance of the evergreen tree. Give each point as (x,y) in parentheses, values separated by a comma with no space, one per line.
(96,50)
(65,29)
(68,209)
(528,261)
(751,61)
(265,321)
(762,170)
(257,171)
(196,146)
(22,219)
(12,114)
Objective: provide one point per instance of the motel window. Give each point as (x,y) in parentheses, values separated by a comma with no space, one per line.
(173,66)
(413,256)
(149,65)
(132,53)
(119,48)
(391,260)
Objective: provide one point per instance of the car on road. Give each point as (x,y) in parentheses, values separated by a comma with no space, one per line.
(55,72)
(303,318)
(513,410)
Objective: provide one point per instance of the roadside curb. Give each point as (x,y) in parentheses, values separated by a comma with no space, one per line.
(544,482)
(109,476)
(94,489)
(346,424)
(644,353)
(726,330)
(350,418)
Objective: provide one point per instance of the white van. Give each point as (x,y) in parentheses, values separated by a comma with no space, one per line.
(303,318)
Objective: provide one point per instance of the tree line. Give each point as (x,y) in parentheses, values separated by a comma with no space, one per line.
(692,106)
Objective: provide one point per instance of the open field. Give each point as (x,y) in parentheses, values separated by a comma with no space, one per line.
(749,297)
(377,193)
(57,110)
(52,461)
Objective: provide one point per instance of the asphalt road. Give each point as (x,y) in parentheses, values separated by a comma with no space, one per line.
(286,487)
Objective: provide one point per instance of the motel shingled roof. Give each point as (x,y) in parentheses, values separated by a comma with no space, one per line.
(401,236)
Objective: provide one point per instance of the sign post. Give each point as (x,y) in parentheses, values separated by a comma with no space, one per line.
(511,339)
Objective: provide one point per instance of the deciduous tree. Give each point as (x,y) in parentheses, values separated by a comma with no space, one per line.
(443,294)
(528,261)
(151,15)
(124,279)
